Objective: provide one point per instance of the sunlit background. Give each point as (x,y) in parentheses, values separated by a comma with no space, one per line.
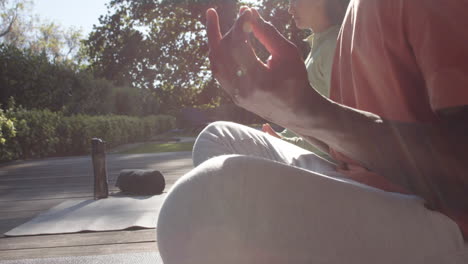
(72,13)
(122,70)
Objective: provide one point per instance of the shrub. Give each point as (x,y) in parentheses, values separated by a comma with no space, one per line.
(36,133)
(42,133)
(7,134)
(37,83)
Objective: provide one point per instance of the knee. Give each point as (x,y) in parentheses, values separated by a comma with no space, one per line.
(218,128)
(233,209)
(230,209)
(199,220)
(213,141)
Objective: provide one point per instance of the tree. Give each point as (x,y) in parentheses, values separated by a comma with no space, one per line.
(18,27)
(8,17)
(153,44)
(58,44)
(13,20)
(40,68)
(35,82)
(161,45)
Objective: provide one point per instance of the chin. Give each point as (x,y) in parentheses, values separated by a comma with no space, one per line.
(299,25)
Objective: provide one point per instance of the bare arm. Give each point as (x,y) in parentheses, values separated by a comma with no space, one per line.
(429,160)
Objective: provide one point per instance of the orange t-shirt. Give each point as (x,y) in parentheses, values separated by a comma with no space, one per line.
(402,60)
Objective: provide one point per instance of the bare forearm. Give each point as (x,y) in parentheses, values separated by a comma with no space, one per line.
(428,159)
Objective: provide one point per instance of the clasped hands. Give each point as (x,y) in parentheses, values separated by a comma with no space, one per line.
(272,89)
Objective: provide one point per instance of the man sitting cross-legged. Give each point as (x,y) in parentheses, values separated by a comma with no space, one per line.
(396,123)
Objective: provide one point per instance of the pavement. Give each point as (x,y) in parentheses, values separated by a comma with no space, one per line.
(28,188)
(46,178)
(126,147)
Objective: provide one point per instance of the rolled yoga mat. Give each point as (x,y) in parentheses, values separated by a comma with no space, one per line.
(141,182)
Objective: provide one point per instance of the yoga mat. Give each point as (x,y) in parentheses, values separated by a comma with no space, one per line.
(113,213)
(133,258)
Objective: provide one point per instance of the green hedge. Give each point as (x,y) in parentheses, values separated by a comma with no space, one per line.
(7,134)
(42,133)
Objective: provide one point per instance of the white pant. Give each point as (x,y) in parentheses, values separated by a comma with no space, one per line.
(268,205)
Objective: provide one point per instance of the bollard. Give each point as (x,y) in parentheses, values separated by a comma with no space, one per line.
(101,189)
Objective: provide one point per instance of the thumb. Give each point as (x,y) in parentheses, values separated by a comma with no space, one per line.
(212,28)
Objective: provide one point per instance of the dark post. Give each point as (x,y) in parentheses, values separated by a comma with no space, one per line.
(100,172)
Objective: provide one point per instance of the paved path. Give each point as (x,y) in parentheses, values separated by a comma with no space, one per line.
(130,146)
(30,187)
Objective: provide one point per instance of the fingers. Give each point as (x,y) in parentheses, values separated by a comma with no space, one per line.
(213,30)
(269,130)
(239,32)
(266,127)
(247,27)
(276,44)
(244,55)
(242,9)
(233,60)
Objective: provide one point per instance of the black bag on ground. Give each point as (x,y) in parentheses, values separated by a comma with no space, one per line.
(141,182)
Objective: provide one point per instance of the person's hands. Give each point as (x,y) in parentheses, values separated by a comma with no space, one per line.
(269,130)
(275,90)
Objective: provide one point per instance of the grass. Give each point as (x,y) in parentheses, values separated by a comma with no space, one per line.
(160,147)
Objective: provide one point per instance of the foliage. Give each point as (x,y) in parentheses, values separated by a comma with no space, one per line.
(42,133)
(21,28)
(36,83)
(158,46)
(146,57)
(36,135)
(161,45)
(12,17)
(7,134)
(152,44)
(32,80)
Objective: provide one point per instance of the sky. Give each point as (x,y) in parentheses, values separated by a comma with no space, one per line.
(78,13)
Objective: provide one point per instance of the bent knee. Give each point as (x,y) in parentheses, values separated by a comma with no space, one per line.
(215,140)
(216,206)
(220,128)
(202,214)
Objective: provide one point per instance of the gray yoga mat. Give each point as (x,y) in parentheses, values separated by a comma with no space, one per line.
(113,213)
(140,258)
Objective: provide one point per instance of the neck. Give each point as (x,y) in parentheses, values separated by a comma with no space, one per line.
(322,27)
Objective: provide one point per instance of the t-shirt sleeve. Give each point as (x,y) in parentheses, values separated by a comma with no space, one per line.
(437,34)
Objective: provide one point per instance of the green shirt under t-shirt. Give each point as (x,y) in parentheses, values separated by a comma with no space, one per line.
(319,65)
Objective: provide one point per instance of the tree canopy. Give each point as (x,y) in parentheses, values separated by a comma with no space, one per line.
(160,45)
(144,57)
(19,27)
